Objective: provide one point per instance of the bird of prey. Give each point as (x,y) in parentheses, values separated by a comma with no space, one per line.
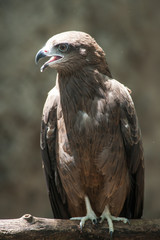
(90,138)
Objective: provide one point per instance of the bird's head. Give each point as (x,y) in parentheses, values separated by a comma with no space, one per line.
(69,51)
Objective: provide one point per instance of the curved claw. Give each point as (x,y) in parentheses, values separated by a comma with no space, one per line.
(95,221)
(128,221)
(111,235)
(81,225)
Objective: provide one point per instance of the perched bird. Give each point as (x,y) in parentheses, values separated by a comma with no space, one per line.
(90,139)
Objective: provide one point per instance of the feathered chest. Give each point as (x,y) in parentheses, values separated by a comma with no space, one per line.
(88,114)
(88,130)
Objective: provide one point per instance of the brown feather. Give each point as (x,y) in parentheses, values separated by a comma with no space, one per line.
(90,139)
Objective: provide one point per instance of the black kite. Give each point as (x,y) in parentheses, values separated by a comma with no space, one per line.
(90,139)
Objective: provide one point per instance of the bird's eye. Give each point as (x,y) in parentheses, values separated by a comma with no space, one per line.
(63,47)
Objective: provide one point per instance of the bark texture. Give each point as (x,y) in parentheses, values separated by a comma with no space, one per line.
(29,227)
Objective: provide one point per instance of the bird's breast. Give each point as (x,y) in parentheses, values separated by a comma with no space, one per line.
(82,139)
(83,122)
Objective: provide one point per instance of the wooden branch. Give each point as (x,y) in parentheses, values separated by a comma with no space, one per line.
(34,228)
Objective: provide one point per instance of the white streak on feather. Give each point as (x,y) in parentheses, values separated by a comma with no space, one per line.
(126,125)
(85,117)
(83,120)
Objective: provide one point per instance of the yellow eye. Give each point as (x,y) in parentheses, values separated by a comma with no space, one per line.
(63,47)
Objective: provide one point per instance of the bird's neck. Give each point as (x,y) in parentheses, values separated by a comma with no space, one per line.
(78,90)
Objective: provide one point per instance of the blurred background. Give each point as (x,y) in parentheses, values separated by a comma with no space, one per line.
(129,33)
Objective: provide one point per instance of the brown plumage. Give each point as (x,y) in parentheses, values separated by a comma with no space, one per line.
(90,139)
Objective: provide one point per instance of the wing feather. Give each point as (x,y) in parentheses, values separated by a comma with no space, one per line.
(48,149)
(131,134)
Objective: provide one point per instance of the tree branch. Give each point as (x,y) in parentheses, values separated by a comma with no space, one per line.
(33,228)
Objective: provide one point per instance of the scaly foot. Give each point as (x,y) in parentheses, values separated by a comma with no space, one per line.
(89,216)
(106,215)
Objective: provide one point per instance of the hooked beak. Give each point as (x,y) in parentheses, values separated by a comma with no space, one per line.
(53,58)
(40,54)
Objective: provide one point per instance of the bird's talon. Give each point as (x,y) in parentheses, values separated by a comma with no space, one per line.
(94,221)
(128,222)
(125,220)
(111,234)
(81,225)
